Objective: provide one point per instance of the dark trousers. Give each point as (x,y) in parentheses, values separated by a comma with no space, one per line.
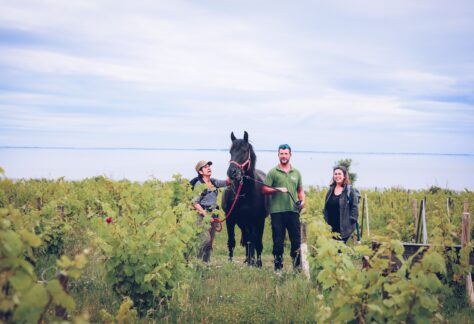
(280,223)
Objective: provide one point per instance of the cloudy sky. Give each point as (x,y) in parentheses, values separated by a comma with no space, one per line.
(356,75)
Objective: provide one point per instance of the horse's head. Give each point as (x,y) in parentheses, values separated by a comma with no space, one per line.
(242,158)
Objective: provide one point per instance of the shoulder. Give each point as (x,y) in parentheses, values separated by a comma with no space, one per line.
(197,182)
(330,190)
(352,190)
(296,171)
(272,172)
(352,193)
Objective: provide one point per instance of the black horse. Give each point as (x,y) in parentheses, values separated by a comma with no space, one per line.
(246,197)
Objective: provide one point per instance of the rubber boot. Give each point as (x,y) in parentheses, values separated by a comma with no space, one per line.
(278,262)
(297,263)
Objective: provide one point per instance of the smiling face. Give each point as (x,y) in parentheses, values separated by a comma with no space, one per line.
(338,177)
(284,155)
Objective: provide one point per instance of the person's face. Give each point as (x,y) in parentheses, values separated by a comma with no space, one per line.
(338,176)
(206,170)
(284,155)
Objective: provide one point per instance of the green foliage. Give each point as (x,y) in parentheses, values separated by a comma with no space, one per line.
(391,290)
(146,253)
(125,315)
(23,298)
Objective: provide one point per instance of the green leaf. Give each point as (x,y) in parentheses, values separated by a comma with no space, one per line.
(21,280)
(74,273)
(434,262)
(343,314)
(12,244)
(428,302)
(59,295)
(64,262)
(32,305)
(80,261)
(30,238)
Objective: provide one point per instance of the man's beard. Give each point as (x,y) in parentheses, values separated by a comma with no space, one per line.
(284,162)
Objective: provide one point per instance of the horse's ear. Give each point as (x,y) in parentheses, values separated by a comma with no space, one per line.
(246,137)
(232,136)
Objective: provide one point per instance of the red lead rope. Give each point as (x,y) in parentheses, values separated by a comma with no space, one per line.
(216,223)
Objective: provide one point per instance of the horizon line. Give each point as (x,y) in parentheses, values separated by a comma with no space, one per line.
(84,148)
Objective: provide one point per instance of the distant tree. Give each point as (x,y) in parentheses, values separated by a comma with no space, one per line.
(347,164)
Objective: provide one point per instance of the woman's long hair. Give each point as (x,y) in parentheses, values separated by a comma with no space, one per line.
(347,180)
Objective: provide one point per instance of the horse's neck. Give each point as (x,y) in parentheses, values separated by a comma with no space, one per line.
(249,183)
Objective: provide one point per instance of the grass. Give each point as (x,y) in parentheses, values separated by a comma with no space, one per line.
(224,292)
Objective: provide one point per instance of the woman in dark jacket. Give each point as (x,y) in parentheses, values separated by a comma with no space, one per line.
(341,208)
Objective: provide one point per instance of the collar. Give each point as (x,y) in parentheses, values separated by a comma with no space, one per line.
(279,169)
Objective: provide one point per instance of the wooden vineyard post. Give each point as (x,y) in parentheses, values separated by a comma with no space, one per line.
(39,203)
(304,251)
(448,208)
(465,239)
(425,229)
(421,224)
(61,211)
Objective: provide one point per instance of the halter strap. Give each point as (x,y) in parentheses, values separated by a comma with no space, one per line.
(243,165)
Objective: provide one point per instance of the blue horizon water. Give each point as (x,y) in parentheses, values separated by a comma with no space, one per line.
(87,148)
(406,170)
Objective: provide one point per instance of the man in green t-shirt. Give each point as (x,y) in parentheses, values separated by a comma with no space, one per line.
(284,183)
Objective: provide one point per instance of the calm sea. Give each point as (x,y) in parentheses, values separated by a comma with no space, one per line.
(409,171)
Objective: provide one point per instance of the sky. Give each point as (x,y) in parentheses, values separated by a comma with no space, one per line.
(355,76)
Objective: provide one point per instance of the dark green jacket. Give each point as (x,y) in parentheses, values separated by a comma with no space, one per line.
(348,209)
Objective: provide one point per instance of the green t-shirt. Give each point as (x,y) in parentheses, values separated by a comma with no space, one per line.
(281,201)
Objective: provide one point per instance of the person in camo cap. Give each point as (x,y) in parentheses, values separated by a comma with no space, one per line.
(205,201)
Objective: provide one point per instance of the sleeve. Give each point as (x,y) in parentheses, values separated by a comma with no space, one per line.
(269,179)
(354,216)
(220,183)
(300,181)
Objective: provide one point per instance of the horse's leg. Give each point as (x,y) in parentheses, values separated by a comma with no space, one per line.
(247,242)
(230,238)
(259,240)
(252,235)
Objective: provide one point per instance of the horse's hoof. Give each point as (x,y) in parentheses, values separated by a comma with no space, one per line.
(259,263)
(230,259)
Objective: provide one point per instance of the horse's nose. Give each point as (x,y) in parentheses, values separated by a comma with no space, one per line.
(233,173)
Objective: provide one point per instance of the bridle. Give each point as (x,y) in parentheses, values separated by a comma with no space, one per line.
(245,166)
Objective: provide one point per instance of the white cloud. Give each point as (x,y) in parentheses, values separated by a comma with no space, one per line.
(132,71)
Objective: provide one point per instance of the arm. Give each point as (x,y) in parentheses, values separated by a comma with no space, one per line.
(354,215)
(222,183)
(266,190)
(199,208)
(301,196)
